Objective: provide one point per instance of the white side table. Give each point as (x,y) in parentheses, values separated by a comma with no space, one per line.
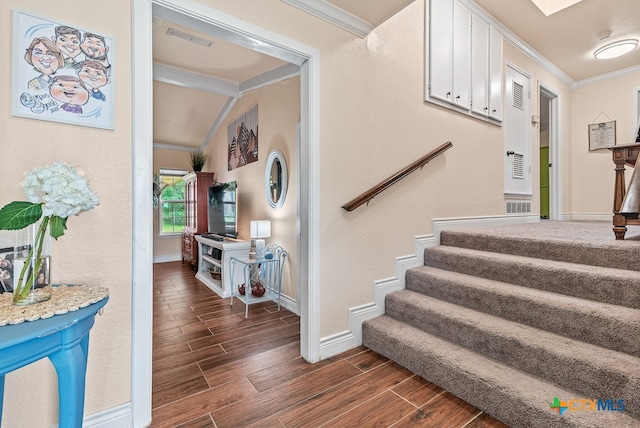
(272,279)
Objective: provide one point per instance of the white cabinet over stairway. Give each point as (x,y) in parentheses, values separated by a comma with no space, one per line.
(464,61)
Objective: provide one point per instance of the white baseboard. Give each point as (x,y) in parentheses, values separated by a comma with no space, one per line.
(115,417)
(588,217)
(290,304)
(352,338)
(167,258)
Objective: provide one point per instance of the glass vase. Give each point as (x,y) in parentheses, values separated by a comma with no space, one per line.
(32,264)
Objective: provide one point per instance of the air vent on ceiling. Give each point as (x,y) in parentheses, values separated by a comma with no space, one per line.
(518,95)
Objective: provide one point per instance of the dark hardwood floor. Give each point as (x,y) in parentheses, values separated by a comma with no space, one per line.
(214,368)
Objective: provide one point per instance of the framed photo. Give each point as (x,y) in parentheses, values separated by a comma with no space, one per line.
(6,269)
(602,135)
(12,260)
(61,73)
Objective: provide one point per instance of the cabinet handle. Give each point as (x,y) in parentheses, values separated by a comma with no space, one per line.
(486,108)
(458,97)
(493,111)
(448,93)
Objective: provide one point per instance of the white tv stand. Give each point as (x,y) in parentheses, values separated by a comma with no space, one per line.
(213,252)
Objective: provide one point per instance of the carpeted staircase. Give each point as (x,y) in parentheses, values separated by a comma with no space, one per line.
(508,319)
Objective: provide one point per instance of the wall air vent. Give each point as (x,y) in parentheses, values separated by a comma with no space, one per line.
(518,207)
(518,95)
(517,170)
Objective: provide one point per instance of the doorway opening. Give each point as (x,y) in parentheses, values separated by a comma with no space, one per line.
(308,201)
(548,154)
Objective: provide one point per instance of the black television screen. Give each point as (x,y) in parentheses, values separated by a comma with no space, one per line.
(222,209)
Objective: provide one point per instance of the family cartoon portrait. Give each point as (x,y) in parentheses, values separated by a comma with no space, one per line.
(62,73)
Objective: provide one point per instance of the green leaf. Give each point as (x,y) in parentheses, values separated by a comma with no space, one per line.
(58,226)
(19,214)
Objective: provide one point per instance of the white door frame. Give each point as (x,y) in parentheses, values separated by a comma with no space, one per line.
(554,150)
(142,153)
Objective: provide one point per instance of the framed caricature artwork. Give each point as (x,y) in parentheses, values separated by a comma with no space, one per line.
(61,72)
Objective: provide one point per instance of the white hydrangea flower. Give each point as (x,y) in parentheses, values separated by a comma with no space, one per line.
(61,189)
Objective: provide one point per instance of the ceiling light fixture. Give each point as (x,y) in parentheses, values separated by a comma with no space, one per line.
(189,37)
(616,49)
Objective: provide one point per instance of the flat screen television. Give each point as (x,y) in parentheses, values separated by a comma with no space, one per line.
(222,209)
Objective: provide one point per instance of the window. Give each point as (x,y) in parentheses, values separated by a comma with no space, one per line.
(172,201)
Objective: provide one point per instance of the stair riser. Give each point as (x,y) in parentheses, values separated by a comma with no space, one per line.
(579,373)
(595,286)
(598,329)
(572,252)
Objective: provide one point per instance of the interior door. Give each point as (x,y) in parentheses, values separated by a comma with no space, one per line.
(518,133)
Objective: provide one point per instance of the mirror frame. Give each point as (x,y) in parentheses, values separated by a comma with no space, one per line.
(275,155)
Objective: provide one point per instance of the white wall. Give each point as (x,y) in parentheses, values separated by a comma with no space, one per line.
(592,175)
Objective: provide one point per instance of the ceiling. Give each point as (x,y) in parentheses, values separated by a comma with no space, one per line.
(212,78)
(569,37)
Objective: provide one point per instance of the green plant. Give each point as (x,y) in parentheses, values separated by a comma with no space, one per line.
(197,158)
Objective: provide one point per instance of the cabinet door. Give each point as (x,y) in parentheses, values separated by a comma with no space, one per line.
(440,49)
(495,74)
(461,57)
(480,67)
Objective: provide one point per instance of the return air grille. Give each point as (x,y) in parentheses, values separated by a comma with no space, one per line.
(518,207)
(518,166)
(518,95)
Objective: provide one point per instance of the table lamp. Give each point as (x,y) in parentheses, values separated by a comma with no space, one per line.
(260,229)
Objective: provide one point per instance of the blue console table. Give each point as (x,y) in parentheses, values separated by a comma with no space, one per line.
(65,340)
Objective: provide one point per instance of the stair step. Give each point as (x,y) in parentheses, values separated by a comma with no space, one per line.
(614,286)
(563,241)
(516,398)
(603,324)
(582,367)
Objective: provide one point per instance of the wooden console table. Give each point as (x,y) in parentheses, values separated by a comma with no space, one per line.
(63,338)
(626,154)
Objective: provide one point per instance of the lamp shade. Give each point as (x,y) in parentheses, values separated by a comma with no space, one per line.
(260,229)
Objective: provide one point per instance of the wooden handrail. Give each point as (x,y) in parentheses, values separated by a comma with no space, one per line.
(371,193)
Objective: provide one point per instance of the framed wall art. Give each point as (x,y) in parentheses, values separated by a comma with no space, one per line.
(61,73)
(602,135)
(242,135)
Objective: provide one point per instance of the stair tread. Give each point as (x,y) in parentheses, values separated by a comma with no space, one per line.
(533,261)
(515,397)
(547,297)
(610,285)
(554,241)
(587,353)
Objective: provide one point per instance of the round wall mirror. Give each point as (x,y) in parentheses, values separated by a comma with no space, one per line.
(275,179)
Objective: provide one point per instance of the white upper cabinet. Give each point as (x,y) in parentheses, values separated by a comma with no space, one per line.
(464,61)
(495,74)
(461,56)
(480,61)
(440,56)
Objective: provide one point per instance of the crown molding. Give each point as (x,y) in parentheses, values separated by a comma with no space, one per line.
(613,75)
(334,15)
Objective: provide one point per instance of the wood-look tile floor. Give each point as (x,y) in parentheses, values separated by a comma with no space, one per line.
(214,368)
